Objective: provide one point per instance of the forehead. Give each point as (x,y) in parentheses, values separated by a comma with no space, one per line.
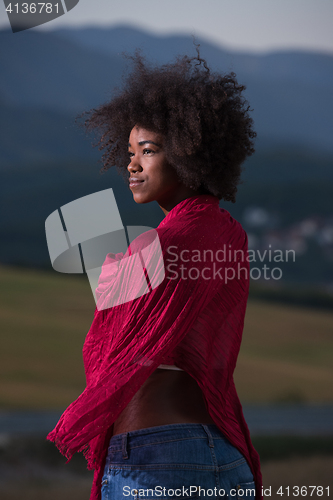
(140,134)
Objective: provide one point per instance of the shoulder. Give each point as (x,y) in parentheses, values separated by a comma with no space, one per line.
(211,228)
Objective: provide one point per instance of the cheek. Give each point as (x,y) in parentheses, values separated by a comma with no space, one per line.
(169,176)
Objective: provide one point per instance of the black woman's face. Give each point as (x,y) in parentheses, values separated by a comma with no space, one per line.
(153,178)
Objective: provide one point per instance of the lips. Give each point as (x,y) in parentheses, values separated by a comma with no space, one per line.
(134,182)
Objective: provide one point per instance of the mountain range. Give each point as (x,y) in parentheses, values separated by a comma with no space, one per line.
(49,78)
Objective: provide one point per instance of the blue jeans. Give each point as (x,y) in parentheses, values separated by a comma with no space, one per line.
(176,461)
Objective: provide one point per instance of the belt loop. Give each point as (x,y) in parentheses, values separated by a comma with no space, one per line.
(124,446)
(210,437)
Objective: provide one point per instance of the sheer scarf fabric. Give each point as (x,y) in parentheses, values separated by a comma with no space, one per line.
(193,319)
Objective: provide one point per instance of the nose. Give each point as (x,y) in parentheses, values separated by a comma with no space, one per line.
(134,166)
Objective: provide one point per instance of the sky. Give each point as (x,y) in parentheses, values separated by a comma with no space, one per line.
(246,25)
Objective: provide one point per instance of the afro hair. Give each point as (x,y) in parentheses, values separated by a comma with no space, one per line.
(202,116)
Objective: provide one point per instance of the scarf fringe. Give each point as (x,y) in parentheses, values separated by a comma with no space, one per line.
(91,451)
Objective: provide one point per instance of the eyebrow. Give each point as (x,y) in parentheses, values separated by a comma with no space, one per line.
(141,143)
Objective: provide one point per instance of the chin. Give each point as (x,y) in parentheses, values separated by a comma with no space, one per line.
(141,199)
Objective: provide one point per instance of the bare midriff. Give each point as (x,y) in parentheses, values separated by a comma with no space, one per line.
(166,397)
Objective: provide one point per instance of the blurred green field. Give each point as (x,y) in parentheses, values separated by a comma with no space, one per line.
(286,355)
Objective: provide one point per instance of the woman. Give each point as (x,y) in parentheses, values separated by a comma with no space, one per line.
(160,417)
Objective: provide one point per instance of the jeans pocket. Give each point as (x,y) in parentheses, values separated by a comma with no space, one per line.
(246,490)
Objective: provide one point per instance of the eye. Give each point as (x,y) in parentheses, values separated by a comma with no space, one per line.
(130,154)
(148,151)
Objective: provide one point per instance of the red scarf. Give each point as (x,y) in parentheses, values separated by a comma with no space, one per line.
(192,318)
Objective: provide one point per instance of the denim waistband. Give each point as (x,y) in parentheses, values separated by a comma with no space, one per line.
(164,433)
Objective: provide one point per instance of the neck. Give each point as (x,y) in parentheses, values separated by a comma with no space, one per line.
(169,204)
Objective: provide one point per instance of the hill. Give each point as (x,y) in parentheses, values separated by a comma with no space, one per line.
(70,71)
(48,78)
(286,354)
